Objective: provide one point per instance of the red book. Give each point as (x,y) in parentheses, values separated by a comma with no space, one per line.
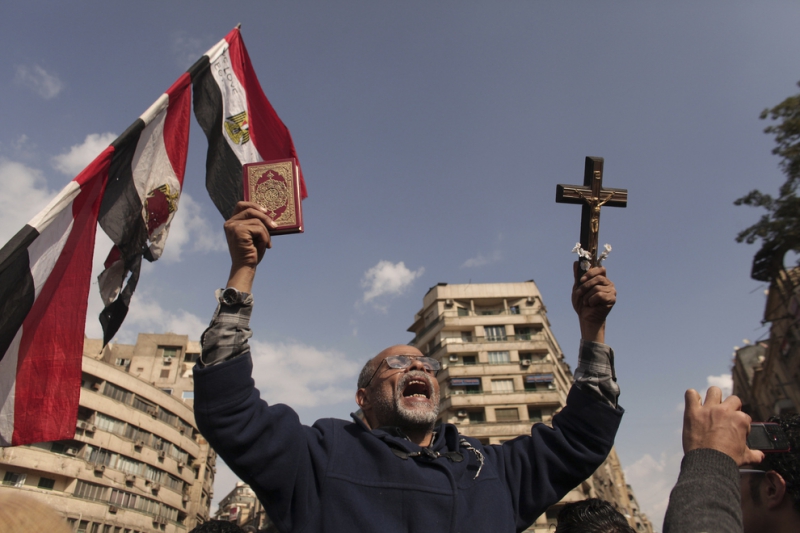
(275,186)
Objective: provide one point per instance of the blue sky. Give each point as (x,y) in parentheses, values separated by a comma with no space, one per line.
(432,135)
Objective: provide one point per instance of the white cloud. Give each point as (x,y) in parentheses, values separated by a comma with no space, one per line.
(190,231)
(145,314)
(187,49)
(652,480)
(23,193)
(80,155)
(388,278)
(481,260)
(39,80)
(723,381)
(302,376)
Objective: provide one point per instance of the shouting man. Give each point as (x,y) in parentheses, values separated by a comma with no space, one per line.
(394,470)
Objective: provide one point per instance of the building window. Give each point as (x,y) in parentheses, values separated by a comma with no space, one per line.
(465,385)
(463,311)
(522,333)
(470,360)
(495,333)
(499,358)
(514,309)
(466,336)
(13,479)
(82,526)
(46,483)
(89,491)
(500,386)
(506,415)
(539,382)
(167,391)
(187,395)
(164,373)
(476,416)
(191,357)
(117,393)
(534,414)
(122,362)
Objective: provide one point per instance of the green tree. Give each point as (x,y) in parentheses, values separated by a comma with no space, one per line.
(779,228)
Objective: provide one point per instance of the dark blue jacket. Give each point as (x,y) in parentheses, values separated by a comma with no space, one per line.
(341,476)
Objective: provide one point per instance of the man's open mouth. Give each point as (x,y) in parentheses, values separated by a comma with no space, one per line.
(417,388)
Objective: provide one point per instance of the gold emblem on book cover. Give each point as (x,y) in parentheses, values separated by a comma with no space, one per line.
(272,191)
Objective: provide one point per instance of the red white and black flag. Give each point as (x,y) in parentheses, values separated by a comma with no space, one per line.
(141,198)
(132,189)
(238,120)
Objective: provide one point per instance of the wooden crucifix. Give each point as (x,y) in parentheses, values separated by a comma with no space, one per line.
(592,196)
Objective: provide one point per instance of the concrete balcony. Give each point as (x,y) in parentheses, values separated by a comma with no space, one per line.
(455,345)
(499,369)
(487,398)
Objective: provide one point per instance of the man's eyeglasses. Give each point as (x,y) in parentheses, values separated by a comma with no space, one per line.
(751,471)
(401,362)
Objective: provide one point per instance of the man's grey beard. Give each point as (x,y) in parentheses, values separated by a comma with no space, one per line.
(390,411)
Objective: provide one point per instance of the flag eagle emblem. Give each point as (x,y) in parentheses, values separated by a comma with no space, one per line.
(237,128)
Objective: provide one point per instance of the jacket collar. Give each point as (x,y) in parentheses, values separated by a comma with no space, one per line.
(445,436)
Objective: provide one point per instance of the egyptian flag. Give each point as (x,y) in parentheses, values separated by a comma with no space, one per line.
(144,187)
(238,120)
(45,269)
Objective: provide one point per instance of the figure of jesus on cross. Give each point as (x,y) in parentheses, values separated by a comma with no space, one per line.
(592,196)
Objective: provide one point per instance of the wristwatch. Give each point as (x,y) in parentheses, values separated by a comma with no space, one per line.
(232,296)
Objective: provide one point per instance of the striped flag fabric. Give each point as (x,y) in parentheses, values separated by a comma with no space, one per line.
(132,190)
(45,272)
(238,120)
(144,187)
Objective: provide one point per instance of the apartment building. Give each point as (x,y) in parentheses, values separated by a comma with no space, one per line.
(137,463)
(502,371)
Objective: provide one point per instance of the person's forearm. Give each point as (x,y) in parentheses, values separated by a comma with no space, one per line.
(592,332)
(241,278)
(706,496)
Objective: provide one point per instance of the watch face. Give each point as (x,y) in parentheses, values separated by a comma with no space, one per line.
(231,296)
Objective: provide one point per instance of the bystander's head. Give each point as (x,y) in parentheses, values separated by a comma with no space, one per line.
(20,513)
(591,516)
(771,489)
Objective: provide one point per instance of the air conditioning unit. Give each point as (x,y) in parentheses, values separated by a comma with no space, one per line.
(152,412)
(529,301)
(96,385)
(81,424)
(91,429)
(453,358)
(139,443)
(448,302)
(71,451)
(113,509)
(525,362)
(130,478)
(181,464)
(182,429)
(162,453)
(461,413)
(155,487)
(458,391)
(185,498)
(100,468)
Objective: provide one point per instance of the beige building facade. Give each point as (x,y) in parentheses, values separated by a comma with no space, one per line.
(137,463)
(502,371)
(766,375)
